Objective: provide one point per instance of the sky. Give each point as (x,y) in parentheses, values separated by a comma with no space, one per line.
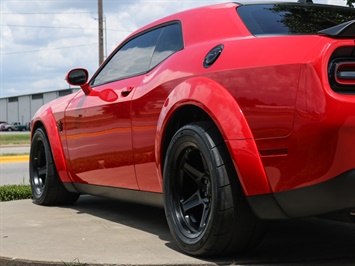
(40,41)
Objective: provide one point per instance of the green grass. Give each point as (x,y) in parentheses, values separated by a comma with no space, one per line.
(13,154)
(15,192)
(8,139)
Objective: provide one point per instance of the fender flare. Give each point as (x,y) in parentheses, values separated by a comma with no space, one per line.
(225,112)
(47,120)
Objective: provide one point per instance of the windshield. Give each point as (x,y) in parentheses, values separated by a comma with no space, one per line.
(289,19)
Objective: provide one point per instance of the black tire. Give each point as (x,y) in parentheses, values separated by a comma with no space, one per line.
(205,207)
(46,186)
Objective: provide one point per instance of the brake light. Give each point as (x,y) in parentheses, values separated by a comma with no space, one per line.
(345,73)
(341,73)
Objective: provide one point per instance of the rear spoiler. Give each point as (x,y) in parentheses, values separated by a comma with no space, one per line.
(344,30)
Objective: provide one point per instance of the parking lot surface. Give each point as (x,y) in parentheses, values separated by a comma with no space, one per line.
(108,232)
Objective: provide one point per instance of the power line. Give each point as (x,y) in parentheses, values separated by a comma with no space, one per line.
(57,27)
(44,13)
(47,49)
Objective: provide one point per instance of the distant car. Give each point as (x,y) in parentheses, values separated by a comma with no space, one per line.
(28,126)
(15,126)
(10,126)
(227,115)
(2,125)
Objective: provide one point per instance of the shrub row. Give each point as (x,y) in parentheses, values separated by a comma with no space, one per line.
(15,192)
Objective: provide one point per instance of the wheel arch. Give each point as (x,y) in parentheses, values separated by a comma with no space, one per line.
(46,120)
(202,99)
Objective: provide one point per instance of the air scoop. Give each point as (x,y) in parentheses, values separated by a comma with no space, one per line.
(344,30)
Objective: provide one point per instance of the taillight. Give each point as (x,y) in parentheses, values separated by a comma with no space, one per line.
(341,74)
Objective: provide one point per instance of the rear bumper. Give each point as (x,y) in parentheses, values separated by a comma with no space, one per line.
(333,195)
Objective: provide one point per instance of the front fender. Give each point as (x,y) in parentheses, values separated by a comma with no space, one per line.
(44,117)
(223,109)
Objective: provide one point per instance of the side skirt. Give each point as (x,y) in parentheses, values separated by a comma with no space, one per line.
(136,196)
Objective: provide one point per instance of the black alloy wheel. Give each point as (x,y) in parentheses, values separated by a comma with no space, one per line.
(46,186)
(204,204)
(193,193)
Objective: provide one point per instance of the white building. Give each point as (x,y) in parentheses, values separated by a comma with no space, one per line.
(22,108)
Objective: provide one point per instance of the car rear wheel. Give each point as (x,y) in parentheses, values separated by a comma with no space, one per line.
(205,207)
(46,186)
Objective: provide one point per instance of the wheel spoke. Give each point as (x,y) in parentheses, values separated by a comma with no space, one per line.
(42,170)
(192,202)
(192,172)
(205,213)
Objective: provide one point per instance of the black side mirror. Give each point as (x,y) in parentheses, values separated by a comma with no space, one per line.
(79,77)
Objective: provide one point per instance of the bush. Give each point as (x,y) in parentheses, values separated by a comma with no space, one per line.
(15,192)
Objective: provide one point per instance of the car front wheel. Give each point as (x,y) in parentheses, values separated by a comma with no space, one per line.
(205,207)
(46,186)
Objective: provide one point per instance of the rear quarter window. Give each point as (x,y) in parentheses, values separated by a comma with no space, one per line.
(292,19)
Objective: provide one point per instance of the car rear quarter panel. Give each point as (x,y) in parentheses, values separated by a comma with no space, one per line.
(322,142)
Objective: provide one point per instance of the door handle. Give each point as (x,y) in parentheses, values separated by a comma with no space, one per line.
(126,91)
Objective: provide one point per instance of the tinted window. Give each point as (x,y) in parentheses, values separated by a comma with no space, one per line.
(292,19)
(132,59)
(169,42)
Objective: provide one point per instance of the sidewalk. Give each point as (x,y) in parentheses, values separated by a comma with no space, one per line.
(94,231)
(97,231)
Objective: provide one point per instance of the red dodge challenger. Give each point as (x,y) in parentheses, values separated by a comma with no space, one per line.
(227,115)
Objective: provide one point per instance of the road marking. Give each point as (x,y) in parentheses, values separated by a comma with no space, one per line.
(14,159)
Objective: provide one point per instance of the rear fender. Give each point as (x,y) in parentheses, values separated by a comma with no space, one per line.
(219,104)
(47,120)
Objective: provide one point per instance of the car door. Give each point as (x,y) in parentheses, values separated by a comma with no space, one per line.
(98,130)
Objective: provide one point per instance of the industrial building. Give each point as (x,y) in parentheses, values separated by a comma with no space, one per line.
(22,108)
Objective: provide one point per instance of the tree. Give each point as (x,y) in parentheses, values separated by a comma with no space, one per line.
(350,3)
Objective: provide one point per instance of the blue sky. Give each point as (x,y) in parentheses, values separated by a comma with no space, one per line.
(42,40)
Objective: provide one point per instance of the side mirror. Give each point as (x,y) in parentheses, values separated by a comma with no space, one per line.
(79,77)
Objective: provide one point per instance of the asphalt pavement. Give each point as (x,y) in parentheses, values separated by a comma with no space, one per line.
(99,231)
(14,167)
(14,149)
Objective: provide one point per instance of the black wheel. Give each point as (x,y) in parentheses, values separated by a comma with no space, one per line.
(47,188)
(205,207)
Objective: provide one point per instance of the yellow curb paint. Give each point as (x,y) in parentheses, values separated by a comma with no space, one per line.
(14,159)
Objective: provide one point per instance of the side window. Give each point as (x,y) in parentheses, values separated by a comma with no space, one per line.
(132,59)
(141,54)
(169,42)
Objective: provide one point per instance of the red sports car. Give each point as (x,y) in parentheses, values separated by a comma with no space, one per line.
(226,115)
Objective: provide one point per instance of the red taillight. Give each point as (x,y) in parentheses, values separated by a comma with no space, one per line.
(345,73)
(341,73)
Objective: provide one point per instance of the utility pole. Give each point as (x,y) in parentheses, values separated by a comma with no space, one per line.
(101,32)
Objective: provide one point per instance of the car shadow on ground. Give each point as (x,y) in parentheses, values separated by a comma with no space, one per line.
(309,241)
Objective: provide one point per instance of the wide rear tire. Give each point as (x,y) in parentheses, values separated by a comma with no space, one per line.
(46,186)
(205,207)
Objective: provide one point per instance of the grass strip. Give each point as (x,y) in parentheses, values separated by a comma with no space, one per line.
(8,139)
(15,192)
(14,154)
